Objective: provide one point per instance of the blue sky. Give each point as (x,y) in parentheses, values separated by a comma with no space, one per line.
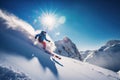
(89,23)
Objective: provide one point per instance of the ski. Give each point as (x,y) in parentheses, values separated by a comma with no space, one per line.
(55,61)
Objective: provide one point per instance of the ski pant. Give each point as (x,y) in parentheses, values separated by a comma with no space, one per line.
(44,44)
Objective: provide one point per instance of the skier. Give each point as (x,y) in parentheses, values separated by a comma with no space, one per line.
(41,37)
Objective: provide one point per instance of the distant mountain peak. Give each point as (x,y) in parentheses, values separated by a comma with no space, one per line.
(66,39)
(67,48)
(113,42)
(107,56)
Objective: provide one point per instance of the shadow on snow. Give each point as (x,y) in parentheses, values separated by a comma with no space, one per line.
(15,42)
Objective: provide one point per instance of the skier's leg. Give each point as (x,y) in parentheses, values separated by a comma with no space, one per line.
(44,44)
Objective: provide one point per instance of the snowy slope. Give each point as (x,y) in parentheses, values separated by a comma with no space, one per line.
(20,56)
(8,74)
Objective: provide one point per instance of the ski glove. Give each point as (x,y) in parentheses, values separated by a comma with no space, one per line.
(49,41)
(36,36)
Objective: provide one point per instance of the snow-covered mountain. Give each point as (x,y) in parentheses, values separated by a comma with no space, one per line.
(20,59)
(67,48)
(107,56)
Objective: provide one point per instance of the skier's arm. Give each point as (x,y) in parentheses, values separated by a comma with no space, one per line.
(47,39)
(36,36)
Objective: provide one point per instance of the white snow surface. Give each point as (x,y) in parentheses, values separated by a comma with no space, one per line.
(18,53)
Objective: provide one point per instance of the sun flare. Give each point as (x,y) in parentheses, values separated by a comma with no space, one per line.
(48,20)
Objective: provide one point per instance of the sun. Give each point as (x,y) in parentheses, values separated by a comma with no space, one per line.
(48,20)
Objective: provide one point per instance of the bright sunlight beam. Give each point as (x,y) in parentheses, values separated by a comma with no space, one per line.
(48,20)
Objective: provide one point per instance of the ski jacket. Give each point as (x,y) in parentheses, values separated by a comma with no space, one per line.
(41,37)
